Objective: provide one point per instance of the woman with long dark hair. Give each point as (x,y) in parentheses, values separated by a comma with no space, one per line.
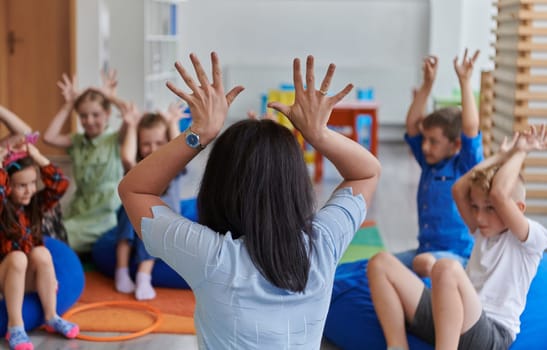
(260,259)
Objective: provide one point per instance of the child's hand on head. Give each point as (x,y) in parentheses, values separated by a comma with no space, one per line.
(429,68)
(251,114)
(69,88)
(33,151)
(12,140)
(465,68)
(130,114)
(110,82)
(507,145)
(17,143)
(533,139)
(174,112)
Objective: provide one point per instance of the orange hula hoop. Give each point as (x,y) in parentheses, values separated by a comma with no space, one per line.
(120,303)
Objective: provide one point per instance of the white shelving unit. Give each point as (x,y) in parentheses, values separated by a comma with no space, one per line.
(161,50)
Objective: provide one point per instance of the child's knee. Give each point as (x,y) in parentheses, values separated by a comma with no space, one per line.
(16,260)
(40,255)
(446,270)
(423,263)
(379,262)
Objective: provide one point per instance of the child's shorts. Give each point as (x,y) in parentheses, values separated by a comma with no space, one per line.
(484,334)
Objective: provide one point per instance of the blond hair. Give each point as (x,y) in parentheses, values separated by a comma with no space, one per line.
(482,179)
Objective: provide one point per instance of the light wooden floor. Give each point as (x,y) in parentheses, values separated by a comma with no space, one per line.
(393,209)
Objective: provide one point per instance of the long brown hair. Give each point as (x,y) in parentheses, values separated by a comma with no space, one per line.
(9,222)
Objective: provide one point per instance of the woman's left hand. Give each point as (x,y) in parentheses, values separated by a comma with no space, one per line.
(312,108)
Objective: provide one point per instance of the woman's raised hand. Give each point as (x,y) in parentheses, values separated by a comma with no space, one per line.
(312,108)
(207,100)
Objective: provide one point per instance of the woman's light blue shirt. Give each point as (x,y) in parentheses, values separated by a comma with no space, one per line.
(236,307)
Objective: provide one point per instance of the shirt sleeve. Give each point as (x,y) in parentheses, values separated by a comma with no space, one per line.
(55,186)
(186,246)
(4,191)
(415,144)
(537,237)
(339,219)
(471,152)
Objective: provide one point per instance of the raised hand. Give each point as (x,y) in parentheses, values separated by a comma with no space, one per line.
(36,155)
(12,140)
(533,139)
(312,108)
(208,101)
(465,68)
(251,114)
(429,68)
(130,114)
(507,145)
(110,82)
(69,88)
(174,112)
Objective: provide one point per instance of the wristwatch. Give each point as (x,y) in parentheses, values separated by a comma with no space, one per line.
(192,139)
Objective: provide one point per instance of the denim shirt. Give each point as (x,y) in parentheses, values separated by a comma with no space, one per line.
(440,224)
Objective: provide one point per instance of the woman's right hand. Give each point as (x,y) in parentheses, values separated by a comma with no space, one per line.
(312,108)
(207,101)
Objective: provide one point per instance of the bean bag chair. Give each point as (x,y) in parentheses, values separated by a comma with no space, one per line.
(104,255)
(70,276)
(352,323)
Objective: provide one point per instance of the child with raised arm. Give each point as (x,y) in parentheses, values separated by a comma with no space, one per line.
(261,259)
(446,144)
(145,134)
(52,222)
(25,263)
(96,162)
(479,307)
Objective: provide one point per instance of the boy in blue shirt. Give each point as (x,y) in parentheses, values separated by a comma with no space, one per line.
(446,144)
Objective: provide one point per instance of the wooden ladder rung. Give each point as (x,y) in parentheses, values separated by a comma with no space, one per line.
(505,3)
(536,161)
(520,62)
(536,193)
(535,177)
(520,15)
(536,209)
(505,46)
(530,112)
(520,78)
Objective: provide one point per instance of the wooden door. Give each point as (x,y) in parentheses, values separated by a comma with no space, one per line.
(37,47)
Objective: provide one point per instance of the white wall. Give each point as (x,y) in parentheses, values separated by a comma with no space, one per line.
(455,25)
(127,47)
(373,42)
(87,41)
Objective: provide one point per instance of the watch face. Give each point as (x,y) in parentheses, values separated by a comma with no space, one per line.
(192,140)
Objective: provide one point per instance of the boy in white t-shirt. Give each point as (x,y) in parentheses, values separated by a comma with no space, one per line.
(478,308)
